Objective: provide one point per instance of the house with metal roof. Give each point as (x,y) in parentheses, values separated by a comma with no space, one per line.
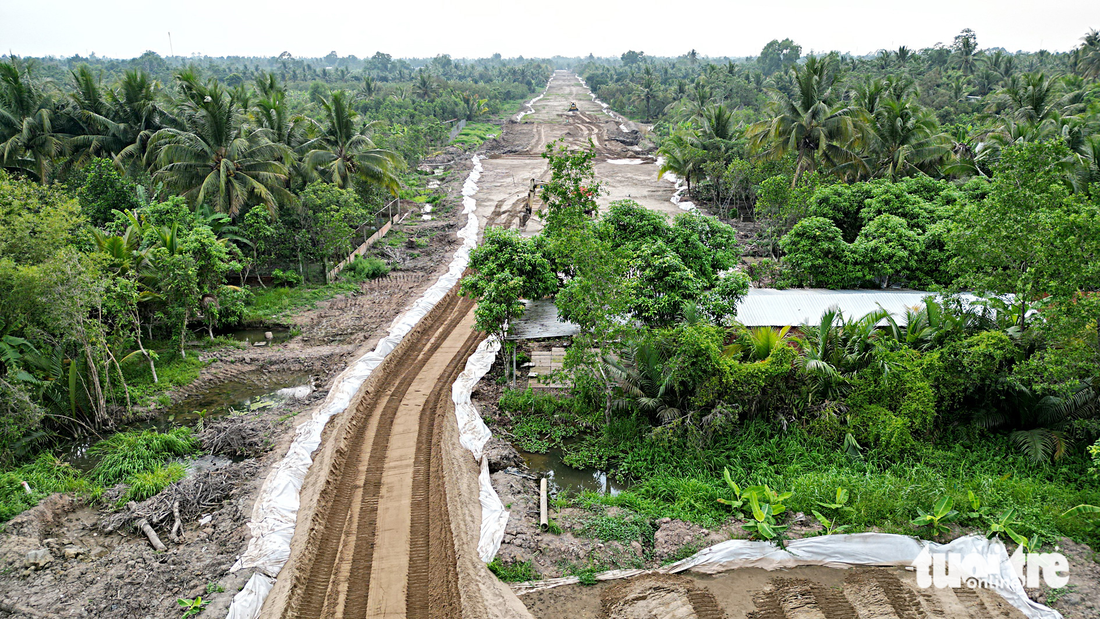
(767,307)
(761,307)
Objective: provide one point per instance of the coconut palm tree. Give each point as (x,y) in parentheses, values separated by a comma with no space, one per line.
(215,159)
(29,141)
(903,138)
(810,125)
(682,156)
(343,152)
(1087,57)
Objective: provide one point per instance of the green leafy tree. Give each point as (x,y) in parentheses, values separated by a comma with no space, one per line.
(329,217)
(507,268)
(778,56)
(817,255)
(887,248)
(104,191)
(570,195)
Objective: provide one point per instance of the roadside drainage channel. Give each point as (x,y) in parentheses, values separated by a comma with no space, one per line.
(275,512)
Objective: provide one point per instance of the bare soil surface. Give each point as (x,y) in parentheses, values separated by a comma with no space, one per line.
(751,593)
(381,535)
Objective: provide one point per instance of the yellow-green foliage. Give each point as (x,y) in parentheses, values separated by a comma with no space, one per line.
(129,453)
(146,484)
(892,408)
(966,367)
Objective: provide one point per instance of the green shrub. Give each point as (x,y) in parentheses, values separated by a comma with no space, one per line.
(362,269)
(288,278)
(146,484)
(818,256)
(892,408)
(517,571)
(126,454)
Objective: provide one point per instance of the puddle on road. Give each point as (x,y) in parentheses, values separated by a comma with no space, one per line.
(563,477)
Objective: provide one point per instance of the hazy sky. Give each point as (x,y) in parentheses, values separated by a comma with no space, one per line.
(531,28)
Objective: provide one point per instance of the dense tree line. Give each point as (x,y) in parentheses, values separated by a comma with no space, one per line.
(137,198)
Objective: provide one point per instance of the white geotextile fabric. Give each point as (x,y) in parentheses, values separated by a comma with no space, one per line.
(860,549)
(473,434)
(681,188)
(276,509)
(531,103)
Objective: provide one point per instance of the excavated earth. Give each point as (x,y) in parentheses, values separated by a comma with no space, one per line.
(390,514)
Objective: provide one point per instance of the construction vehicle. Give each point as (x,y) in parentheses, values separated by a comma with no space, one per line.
(573,106)
(531,191)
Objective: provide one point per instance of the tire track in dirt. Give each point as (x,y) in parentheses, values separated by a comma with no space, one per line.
(431,548)
(356,484)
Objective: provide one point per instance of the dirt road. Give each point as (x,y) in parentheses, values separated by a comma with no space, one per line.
(375,537)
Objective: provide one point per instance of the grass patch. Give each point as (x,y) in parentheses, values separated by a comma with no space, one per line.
(149,483)
(474,134)
(517,571)
(173,369)
(44,476)
(623,529)
(140,458)
(275,303)
(682,479)
(126,454)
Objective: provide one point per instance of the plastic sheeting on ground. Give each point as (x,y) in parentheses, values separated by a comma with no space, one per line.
(861,549)
(276,509)
(473,434)
(681,188)
(531,103)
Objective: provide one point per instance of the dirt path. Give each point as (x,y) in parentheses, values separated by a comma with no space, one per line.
(375,537)
(624,163)
(383,546)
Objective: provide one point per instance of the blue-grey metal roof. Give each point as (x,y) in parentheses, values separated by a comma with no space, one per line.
(766,307)
(540,320)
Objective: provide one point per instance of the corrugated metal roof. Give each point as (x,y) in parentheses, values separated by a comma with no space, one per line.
(766,307)
(540,320)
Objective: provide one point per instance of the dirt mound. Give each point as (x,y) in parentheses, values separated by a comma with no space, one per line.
(658,597)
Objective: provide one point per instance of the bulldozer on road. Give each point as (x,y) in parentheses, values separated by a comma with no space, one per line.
(573,106)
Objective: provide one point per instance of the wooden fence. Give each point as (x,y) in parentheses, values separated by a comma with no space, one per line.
(362,249)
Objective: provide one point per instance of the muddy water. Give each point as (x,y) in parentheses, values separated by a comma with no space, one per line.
(259,335)
(563,477)
(248,392)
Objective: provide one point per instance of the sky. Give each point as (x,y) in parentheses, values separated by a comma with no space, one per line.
(529,28)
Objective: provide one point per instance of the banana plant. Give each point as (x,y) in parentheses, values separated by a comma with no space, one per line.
(1003,524)
(763,524)
(978,512)
(839,507)
(739,499)
(941,513)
